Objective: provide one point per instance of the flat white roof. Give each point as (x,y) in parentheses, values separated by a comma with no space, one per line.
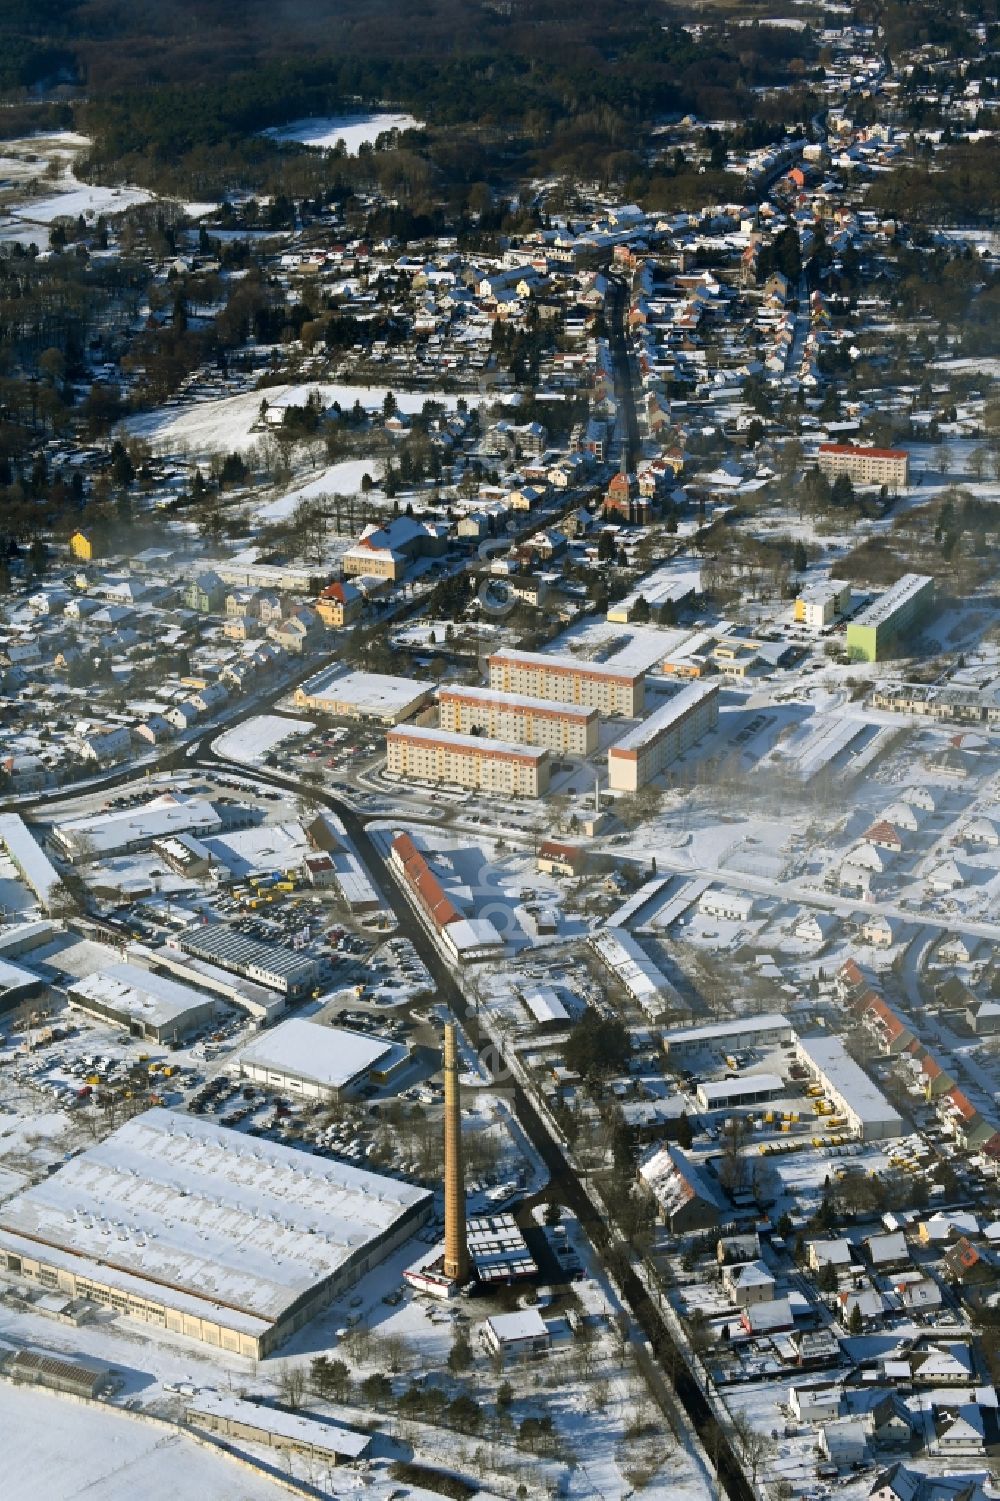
(748,1084)
(200,1214)
(330,1437)
(669,714)
(170,814)
(527,1323)
(557,663)
(470,933)
(34,865)
(373,691)
(450,739)
(140,995)
(515,701)
(13,977)
(902,591)
(829,1056)
(770,1021)
(821,590)
(28,935)
(329,1056)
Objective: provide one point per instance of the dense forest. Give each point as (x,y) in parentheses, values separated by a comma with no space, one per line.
(173,92)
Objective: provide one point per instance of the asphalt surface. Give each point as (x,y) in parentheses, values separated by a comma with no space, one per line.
(618,301)
(565,1186)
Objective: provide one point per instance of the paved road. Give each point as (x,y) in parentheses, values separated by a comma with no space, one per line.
(646,1315)
(617,310)
(812,896)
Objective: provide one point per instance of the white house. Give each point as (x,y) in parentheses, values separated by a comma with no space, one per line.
(731,906)
(815,1404)
(517,1336)
(844,1442)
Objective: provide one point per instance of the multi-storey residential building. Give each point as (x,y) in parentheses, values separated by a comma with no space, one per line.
(425,755)
(657,741)
(339,604)
(819,604)
(866,466)
(388,551)
(567,729)
(597,685)
(872,636)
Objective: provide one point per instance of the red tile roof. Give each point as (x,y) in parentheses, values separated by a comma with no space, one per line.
(867,453)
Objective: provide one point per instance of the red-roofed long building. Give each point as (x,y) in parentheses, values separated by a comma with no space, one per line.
(866,466)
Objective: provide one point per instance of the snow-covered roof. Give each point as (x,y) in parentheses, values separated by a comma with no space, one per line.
(26,854)
(667,717)
(191,1213)
(298,1430)
(850,1082)
(750,1026)
(544,1004)
(329,1056)
(102,833)
(527,1323)
(140,995)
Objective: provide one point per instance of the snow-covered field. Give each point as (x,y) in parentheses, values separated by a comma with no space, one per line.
(354,130)
(251,741)
(233,422)
(104,1453)
(72,198)
(336,479)
(35,199)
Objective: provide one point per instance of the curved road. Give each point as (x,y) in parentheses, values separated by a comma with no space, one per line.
(644,1311)
(647,1317)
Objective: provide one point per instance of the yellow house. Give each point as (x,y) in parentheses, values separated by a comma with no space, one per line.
(339,604)
(81,547)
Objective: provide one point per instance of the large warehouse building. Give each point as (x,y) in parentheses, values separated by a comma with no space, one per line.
(567,729)
(768,1030)
(363,695)
(597,685)
(651,747)
(319,1063)
(467,761)
(868,1112)
(873,635)
(191,1227)
(148,1005)
(31,864)
(102,834)
(288,971)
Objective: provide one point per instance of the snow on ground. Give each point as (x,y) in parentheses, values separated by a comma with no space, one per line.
(232,422)
(113,1456)
(636,647)
(252,741)
(336,479)
(24,164)
(324,132)
(73,198)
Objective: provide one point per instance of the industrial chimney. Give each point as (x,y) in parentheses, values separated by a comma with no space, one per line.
(456,1251)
